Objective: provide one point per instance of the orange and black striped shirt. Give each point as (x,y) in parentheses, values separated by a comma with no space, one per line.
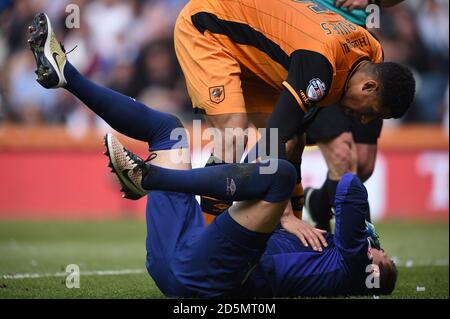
(292,44)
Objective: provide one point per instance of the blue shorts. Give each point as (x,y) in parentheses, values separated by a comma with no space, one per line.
(188,259)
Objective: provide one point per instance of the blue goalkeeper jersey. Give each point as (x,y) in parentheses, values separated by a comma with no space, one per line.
(224,259)
(289,269)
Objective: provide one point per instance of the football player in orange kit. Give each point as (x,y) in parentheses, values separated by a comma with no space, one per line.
(271,62)
(347,145)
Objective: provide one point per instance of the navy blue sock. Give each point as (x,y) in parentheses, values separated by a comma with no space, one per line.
(321,202)
(236,182)
(214,206)
(125,114)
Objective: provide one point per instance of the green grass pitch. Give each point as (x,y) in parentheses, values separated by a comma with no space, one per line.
(111,256)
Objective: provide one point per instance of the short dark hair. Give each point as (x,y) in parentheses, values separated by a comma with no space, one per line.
(388,278)
(398,87)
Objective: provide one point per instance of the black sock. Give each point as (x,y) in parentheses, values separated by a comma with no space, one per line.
(331,190)
(320,204)
(297,164)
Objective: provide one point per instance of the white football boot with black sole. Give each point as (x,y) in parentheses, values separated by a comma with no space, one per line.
(50,56)
(129,168)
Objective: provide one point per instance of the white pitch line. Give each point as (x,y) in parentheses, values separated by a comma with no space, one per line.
(82,273)
(403,263)
(420,263)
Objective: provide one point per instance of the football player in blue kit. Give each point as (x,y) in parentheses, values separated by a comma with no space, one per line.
(244,252)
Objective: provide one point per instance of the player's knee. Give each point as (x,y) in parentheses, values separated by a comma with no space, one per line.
(365,170)
(228,121)
(171,128)
(340,160)
(232,129)
(284,180)
(294,147)
(366,160)
(171,122)
(171,133)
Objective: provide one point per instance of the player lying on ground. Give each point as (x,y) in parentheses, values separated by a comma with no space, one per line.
(244,252)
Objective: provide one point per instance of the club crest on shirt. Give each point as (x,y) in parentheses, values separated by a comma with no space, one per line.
(217,94)
(316,90)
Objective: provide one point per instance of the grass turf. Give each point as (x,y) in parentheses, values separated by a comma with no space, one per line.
(47,248)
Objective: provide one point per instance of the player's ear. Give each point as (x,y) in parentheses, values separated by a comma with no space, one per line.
(370,86)
(369,254)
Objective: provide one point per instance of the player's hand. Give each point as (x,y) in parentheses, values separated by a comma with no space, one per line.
(308,235)
(352,4)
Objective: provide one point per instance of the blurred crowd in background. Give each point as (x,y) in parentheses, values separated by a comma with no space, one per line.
(128,46)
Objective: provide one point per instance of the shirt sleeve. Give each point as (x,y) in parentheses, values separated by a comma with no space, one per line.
(309,78)
(350,234)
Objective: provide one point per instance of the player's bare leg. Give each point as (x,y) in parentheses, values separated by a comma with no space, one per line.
(342,155)
(231,151)
(366,158)
(238,122)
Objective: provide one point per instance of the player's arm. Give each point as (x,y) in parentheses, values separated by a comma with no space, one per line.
(362,4)
(309,79)
(350,234)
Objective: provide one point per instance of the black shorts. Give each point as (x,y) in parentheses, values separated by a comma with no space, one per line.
(331,122)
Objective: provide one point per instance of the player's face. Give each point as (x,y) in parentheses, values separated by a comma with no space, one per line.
(362,102)
(362,116)
(378,256)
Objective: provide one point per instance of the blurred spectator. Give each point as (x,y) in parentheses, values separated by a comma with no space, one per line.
(128,46)
(157,66)
(108,21)
(416,33)
(32,104)
(446,120)
(433,26)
